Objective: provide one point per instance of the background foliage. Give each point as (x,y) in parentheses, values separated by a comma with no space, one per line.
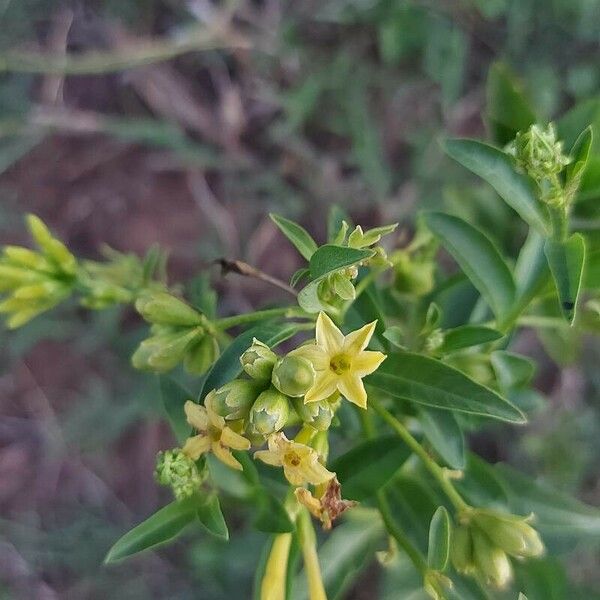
(331,102)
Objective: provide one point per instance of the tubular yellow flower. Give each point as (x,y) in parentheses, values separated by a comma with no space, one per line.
(340,361)
(213,434)
(300,463)
(273,583)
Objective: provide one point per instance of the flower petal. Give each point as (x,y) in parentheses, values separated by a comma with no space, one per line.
(358,340)
(295,475)
(216,420)
(196,415)
(234,440)
(315,354)
(329,337)
(196,446)
(325,384)
(225,456)
(316,473)
(270,458)
(353,389)
(366,362)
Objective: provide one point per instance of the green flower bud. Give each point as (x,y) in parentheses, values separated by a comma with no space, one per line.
(235,399)
(201,355)
(538,152)
(342,286)
(180,472)
(491,561)
(258,361)
(316,414)
(28,259)
(413,276)
(510,533)
(270,412)
(164,309)
(164,351)
(293,375)
(54,249)
(461,550)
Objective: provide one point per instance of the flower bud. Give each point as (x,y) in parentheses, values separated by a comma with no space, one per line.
(258,361)
(28,259)
(54,249)
(316,414)
(270,412)
(201,355)
(342,286)
(164,351)
(164,309)
(461,550)
(235,399)
(491,561)
(175,469)
(413,276)
(293,375)
(510,533)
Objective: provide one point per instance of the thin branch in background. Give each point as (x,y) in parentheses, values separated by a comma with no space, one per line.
(241,268)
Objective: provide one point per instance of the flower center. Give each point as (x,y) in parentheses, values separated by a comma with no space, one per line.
(340,363)
(292,459)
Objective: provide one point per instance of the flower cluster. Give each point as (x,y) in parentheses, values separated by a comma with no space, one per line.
(178,333)
(304,388)
(36,281)
(484,540)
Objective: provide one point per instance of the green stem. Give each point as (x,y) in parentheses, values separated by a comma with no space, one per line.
(438,472)
(259,315)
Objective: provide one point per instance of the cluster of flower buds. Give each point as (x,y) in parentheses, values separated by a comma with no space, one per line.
(179,333)
(338,287)
(174,468)
(485,539)
(35,281)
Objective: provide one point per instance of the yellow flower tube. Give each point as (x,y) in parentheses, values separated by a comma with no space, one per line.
(273,583)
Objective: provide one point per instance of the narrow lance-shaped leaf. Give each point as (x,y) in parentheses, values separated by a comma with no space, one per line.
(467,336)
(566,260)
(579,156)
(427,381)
(497,168)
(445,435)
(161,527)
(301,239)
(210,515)
(438,550)
(478,258)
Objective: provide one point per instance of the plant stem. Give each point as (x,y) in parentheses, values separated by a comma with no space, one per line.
(435,469)
(306,534)
(258,315)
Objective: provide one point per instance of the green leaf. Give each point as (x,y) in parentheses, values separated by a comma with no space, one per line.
(272,516)
(481,485)
(512,370)
(158,529)
(478,258)
(531,270)
(438,551)
(337,215)
(497,168)
(580,153)
(366,468)
(174,396)
(210,516)
(330,258)
(228,365)
(442,430)
(508,111)
(427,381)
(467,336)
(299,275)
(566,260)
(396,336)
(301,239)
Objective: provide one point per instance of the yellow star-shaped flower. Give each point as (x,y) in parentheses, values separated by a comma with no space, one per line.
(340,361)
(213,434)
(300,462)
